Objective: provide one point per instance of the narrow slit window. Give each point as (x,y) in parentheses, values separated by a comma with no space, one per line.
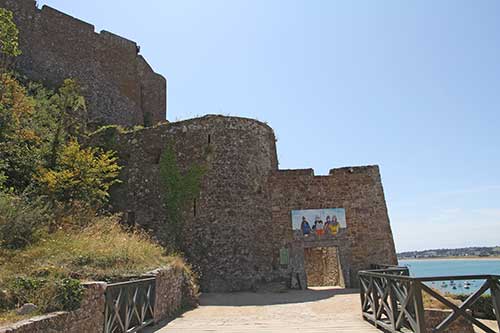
(131,219)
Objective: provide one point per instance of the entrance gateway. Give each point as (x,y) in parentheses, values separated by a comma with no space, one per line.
(323,267)
(322,234)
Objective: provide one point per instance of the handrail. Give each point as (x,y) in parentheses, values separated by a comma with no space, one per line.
(392,300)
(384,272)
(129,305)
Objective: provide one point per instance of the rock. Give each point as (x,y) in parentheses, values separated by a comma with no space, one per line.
(26,309)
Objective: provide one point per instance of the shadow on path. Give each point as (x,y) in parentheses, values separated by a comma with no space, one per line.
(272,298)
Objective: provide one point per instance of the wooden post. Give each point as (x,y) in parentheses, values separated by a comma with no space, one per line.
(495,297)
(419,307)
(391,284)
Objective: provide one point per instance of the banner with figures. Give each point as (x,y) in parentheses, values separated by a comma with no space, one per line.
(318,222)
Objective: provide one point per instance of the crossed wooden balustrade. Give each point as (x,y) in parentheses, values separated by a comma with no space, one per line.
(129,306)
(392,300)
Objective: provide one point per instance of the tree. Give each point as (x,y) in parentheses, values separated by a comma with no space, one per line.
(19,141)
(70,117)
(82,175)
(35,124)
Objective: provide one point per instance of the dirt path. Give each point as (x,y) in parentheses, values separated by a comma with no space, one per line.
(318,310)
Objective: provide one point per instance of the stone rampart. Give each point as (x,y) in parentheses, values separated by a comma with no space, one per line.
(227,229)
(368,236)
(119,86)
(235,231)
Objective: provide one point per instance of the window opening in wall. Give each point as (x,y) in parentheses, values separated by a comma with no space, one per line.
(157,155)
(194,207)
(148,119)
(209,139)
(131,219)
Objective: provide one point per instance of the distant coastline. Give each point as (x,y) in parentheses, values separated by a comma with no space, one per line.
(453,258)
(459,253)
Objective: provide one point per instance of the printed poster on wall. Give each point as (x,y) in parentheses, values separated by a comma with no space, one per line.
(327,222)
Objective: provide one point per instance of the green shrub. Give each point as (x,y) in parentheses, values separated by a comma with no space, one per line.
(69,293)
(81,175)
(3,177)
(9,34)
(21,222)
(49,294)
(482,308)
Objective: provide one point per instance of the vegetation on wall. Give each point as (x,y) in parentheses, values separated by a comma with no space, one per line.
(179,191)
(9,34)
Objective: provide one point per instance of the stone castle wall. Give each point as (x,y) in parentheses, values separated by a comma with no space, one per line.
(235,230)
(368,238)
(227,230)
(119,85)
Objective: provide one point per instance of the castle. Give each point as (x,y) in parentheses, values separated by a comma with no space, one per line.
(238,232)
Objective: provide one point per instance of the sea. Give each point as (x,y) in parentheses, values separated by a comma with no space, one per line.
(445,267)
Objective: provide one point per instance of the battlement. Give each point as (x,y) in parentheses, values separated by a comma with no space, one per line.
(118,84)
(344,171)
(54,15)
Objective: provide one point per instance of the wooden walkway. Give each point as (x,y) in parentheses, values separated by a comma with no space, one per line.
(317,310)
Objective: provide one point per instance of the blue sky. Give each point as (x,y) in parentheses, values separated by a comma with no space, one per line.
(410,85)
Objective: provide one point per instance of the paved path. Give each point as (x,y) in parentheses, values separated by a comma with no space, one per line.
(317,310)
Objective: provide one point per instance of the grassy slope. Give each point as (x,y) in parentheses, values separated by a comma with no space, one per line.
(103,251)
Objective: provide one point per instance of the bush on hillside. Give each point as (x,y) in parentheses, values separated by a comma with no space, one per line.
(21,222)
(36,125)
(19,142)
(82,175)
(482,308)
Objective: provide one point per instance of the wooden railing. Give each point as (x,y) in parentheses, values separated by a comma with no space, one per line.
(129,305)
(392,300)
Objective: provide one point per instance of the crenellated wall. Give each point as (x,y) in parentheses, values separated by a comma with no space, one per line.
(368,238)
(119,86)
(236,228)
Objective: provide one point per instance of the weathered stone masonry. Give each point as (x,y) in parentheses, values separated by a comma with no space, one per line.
(228,234)
(368,237)
(236,228)
(119,85)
